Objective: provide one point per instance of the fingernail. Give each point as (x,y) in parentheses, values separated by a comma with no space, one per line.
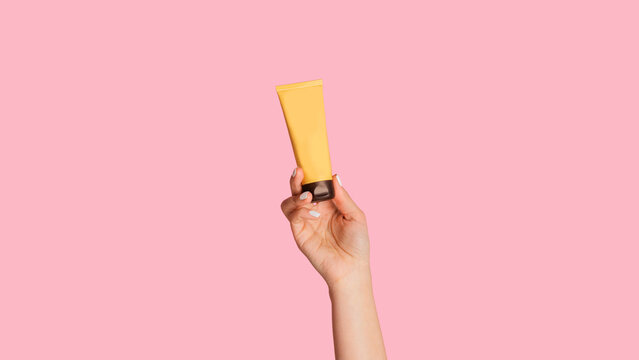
(294,172)
(338,180)
(314,213)
(304,195)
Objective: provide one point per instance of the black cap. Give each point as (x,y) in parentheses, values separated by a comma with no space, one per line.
(321,190)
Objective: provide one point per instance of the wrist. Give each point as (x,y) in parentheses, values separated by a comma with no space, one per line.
(357,281)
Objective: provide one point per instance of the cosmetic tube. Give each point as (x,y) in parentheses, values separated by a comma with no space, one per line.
(303,107)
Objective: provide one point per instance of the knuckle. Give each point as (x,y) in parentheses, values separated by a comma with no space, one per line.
(283,204)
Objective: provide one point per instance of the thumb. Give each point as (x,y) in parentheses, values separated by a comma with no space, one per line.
(343,201)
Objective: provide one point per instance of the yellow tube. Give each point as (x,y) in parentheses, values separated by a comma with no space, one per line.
(303,107)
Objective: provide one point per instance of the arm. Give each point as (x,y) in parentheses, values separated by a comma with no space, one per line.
(356,331)
(334,237)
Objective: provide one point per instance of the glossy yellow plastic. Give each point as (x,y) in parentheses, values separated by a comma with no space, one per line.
(303,107)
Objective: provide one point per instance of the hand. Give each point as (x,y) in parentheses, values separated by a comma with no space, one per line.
(334,237)
(332,234)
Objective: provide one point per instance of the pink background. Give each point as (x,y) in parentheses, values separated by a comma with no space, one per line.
(143,157)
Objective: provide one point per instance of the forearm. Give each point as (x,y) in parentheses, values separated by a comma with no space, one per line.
(356,330)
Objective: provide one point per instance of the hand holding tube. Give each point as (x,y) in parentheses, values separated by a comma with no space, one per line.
(334,237)
(332,234)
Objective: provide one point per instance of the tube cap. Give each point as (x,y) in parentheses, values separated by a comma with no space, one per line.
(321,190)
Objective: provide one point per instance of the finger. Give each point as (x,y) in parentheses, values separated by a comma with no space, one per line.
(299,219)
(293,202)
(300,216)
(343,201)
(296,181)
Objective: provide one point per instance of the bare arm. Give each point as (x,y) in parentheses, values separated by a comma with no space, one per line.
(356,331)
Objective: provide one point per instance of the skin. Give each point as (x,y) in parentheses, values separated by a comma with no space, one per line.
(336,244)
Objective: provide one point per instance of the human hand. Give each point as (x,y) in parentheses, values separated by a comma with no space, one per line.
(332,234)
(334,237)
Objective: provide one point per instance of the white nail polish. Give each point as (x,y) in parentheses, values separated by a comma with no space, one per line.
(339,180)
(304,195)
(314,213)
(294,172)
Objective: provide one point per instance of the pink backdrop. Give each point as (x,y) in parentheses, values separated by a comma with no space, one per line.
(143,157)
